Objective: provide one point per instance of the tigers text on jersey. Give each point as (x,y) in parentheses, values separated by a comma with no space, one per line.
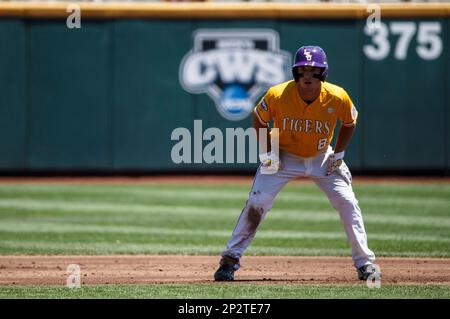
(306,130)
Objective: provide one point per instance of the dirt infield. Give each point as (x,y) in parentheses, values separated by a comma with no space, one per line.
(147,269)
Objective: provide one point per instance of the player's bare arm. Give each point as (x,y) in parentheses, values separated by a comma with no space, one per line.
(257,124)
(344,136)
(335,161)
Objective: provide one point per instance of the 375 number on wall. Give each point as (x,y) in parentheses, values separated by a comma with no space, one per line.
(428,42)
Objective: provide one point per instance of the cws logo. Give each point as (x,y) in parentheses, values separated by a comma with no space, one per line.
(234,67)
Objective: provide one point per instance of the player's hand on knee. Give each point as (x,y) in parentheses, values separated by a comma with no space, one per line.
(270,163)
(336,164)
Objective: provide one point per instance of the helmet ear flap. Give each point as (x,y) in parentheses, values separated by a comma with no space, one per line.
(295,74)
(322,76)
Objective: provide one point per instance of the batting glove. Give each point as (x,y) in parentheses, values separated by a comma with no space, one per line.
(334,161)
(336,164)
(270,163)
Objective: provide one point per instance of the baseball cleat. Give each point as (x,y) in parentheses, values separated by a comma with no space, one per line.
(365,271)
(224,273)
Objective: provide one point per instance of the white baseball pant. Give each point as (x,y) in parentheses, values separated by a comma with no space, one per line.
(266,187)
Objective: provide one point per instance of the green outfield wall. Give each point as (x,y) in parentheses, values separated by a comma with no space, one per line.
(108,95)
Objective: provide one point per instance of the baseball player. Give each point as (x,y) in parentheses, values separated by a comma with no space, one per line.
(305,112)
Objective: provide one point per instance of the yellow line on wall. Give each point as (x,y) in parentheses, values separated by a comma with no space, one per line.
(220,10)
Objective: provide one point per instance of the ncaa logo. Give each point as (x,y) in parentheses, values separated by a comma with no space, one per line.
(234,67)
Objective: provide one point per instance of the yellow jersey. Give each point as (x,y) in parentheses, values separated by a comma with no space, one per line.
(306,129)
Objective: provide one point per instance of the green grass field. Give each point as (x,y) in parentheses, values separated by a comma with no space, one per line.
(401,220)
(230,291)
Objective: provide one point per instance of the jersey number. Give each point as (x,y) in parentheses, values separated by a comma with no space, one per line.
(322,143)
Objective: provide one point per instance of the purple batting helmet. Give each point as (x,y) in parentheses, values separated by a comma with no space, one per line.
(310,56)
